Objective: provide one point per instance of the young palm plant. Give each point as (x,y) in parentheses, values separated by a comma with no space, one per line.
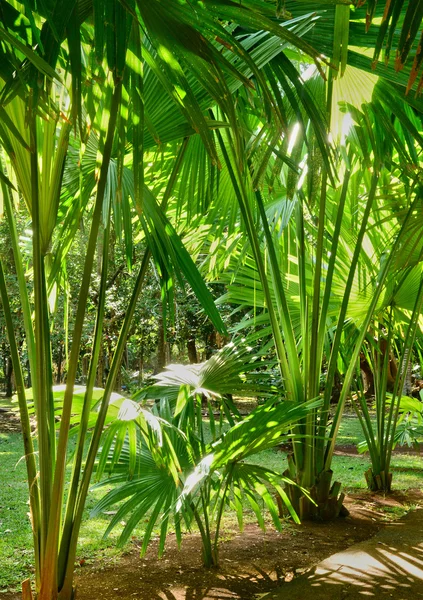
(392,332)
(215,469)
(311,268)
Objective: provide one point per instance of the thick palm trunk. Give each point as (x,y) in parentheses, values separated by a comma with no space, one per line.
(378,481)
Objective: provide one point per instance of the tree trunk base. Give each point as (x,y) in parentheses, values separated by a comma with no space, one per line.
(325,502)
(26,590)
(380,482)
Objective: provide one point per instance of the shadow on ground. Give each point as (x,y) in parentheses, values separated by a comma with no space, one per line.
(388,565)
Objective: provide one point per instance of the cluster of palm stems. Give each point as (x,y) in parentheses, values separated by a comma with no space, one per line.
(239,100)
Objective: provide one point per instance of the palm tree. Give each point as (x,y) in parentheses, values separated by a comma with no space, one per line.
(319,257)
(109,83)
(211,474)
(73,73)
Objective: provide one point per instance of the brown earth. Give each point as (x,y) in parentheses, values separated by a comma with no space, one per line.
(389,565)
(252,563)
(9,421)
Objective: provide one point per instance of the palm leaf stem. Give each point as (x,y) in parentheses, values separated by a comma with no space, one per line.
(50,565)
(283,310)
(205,503)
(298,391)
(23,291)
(375,441)
(241,195)
(42,393)
(34,492)
(316,351)
(222,502)
(298,429)
(311,377)
(366,424)
(320,440)
(83,426)
(408,344)
(324,310)
(336,237)
(96,437)
(383,384)
(204,529)
(362,333)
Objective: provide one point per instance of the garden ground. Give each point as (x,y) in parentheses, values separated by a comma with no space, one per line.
(387,565)
(252,563)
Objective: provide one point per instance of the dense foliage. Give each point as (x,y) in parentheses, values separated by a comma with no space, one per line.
(159,156)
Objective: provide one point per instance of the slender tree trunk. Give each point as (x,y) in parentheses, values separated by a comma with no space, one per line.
(118,381)
(84,368)
(192,351)
(100,370)
(8,376)
(168,353)
(161,350)
(392,365)
(141,366)
(211,344)
(367,376)
(221,340)
(59,365)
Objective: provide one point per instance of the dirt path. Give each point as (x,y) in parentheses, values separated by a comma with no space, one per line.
(252,563)
(388,565)
(9,421)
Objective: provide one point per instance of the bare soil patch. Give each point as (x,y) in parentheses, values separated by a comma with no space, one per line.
(9,421)
(351,450)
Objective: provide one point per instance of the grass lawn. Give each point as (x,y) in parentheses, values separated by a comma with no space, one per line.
(407,469)
(5,402)
(15,533)
(350,432)
(16,556)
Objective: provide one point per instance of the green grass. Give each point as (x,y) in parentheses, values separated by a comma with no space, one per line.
(406,470)
(16,555)
(349,469)
(6,402)
(350,432)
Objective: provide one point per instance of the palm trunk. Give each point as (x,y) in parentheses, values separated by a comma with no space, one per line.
(161,348)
